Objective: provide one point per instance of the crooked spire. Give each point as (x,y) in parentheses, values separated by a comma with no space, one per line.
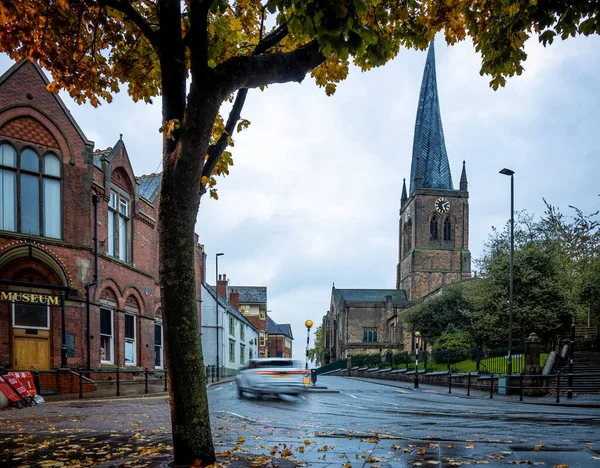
(429,147)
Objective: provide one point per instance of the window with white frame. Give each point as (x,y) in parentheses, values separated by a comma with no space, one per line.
(158,346)
(30,192)
(106,336)
(262,341)
(242,332)
(242,354)
(119,244)
(262,315)
(130,332)
(245,309)
(288,343)
(231,326)
(231,350)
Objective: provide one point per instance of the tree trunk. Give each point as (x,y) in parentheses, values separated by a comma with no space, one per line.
(180,199)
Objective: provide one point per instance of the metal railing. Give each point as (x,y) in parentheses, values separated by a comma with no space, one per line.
(122,377)
(556,385)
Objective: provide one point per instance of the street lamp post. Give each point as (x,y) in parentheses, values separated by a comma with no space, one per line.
(217,307)
(510,173)
(309,324)
(417,336)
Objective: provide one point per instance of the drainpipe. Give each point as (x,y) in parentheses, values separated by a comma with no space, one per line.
(96,200)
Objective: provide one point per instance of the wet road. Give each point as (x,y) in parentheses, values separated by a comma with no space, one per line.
(366,424)
(366,407)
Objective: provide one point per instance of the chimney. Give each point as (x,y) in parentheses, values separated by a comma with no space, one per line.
(222,285)
(234,298)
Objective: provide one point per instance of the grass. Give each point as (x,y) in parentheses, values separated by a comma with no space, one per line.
(470,366)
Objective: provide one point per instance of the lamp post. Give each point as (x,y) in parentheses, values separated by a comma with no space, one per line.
(510,173)
(217,307)
(417,336)
(308,324)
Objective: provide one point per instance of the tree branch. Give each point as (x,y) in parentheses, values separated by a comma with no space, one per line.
(132,14)
(215,151)
(261,70)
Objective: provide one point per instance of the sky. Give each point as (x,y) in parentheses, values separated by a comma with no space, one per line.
(314,193)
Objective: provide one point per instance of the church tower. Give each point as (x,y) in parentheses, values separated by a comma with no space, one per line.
(434,217)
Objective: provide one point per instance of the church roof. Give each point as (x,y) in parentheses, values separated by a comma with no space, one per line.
(369,295)
(429,148)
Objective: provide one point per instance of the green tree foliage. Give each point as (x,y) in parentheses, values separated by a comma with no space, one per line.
(454,339)
(432,316)
(315,354)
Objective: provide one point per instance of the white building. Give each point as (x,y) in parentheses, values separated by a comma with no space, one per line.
(237,338)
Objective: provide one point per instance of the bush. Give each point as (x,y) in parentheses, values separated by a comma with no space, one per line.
(400,358)
(454,344)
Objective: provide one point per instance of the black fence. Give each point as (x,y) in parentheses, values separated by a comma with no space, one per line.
(559,385)
(119,379)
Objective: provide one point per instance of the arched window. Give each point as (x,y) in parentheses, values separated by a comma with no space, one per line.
(433,228)
(447,230)
(36,207)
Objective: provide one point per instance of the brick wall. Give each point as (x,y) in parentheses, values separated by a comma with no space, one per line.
(30,115)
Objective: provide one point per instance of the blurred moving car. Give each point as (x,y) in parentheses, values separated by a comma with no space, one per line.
(276,376)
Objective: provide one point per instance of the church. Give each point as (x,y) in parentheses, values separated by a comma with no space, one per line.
(433,245)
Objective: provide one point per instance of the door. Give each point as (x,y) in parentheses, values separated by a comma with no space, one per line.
(31,353)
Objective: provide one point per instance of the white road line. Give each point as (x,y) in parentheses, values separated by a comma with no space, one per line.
(351,395)
(218,388)
(237,415)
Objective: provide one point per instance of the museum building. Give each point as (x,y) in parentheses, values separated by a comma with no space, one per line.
(78,241)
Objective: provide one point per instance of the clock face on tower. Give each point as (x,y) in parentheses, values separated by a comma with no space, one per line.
(442,205)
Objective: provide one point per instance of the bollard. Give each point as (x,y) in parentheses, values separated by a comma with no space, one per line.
(80,384)
(469,384)
(521,388)
(36,381)
(118,383)
(165,380)
(449,382)
(146,380)
(558,388)
(313,376)
(491,385)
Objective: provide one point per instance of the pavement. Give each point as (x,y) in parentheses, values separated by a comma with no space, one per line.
(366,423)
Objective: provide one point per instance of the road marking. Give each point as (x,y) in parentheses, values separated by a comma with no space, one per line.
(218,388)
(352,395)
(237,415)
(390,403)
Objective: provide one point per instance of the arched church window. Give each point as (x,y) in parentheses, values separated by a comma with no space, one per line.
(447,230)
(433,228)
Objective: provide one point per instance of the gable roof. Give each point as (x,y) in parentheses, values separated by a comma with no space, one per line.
(12,70)
(272,327)
(286,328)
(369,295)
(228,307)
(252,294)
(107,154)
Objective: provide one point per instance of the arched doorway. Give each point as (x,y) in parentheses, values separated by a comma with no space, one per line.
(31,281)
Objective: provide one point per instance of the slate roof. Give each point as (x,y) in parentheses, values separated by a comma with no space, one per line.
(272,327)
(429,146)
(149,186)
(252,294)
(228,307)
(108,154)
(369,295)
(286,328)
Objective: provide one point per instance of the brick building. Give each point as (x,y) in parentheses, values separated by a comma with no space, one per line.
(56,278)
(253,304)
(280,339)
(433,245)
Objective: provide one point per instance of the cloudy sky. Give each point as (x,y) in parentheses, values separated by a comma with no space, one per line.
(314,195)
